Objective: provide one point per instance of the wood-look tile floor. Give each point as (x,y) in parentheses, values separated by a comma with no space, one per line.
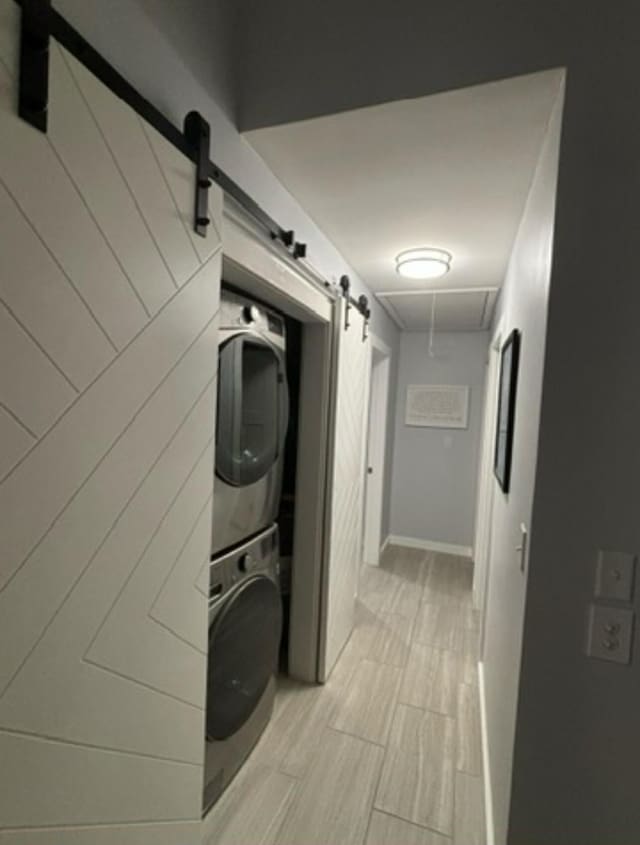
(388,751)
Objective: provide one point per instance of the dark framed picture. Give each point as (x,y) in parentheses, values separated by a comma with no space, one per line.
(509,358)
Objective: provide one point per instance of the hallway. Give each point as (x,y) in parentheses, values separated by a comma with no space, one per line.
(388,752)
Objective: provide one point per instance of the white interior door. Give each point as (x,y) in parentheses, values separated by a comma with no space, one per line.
(376,455)
(346,486)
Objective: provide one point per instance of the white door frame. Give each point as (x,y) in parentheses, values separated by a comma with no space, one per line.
(252,263)
(486,483)
(376,450)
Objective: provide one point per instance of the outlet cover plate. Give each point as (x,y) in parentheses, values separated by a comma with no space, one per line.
(615,576)
(610,633)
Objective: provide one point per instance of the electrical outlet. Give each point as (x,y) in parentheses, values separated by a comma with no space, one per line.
(610,632)
(615,575)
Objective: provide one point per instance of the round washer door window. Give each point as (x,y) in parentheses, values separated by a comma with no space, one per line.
(252,409)
(244,640)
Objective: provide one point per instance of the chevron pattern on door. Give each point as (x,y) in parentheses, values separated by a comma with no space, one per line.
(108,340)
(351,393)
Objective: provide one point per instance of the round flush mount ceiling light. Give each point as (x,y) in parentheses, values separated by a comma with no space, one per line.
(424,263)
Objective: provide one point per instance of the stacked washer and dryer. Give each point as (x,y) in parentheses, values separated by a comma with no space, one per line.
(245,605)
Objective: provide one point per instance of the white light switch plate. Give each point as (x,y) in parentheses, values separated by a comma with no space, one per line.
(610,633)
(615,575)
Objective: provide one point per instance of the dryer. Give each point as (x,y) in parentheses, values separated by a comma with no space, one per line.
(245,626)
(252,420)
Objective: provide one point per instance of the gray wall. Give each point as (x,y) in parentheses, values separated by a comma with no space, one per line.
(575,776)
(523,306)
(435,469)
(577,738)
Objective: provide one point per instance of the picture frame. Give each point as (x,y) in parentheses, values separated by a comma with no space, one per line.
(509,361)
(437,406)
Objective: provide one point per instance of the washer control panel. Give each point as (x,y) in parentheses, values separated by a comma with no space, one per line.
(258,555)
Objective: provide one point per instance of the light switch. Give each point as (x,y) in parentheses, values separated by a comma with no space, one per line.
(615,575)
(610,633)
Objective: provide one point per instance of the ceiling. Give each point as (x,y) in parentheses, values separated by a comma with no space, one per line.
(467,310)
(450,170)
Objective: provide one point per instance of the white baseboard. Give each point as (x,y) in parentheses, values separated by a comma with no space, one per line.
(387,540)
(429,545)
(486,769)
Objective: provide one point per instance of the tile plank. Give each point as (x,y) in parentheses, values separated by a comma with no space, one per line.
(470,657)
(251,810)
(389,830)
(292,739)
(431,680)
(450,580)
(417,781)
(402,597)
(468,740)
(440,626)
(390,643)
(469,823)
(367,706)
(327,808)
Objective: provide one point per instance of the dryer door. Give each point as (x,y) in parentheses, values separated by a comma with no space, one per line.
(253,409)
(244,641)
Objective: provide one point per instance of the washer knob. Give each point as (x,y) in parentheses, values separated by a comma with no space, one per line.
(246,562)
(250,314)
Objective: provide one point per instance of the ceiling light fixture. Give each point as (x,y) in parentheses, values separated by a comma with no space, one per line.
(425,263)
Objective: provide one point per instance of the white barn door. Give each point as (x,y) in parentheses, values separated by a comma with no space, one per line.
(108,342)
(346,486)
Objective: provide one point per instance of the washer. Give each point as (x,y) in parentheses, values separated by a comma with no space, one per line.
(252,420)
(245,626)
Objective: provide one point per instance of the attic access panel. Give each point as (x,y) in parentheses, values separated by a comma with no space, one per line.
(453,310)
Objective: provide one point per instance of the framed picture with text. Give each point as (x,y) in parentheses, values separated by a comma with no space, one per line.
(509,359)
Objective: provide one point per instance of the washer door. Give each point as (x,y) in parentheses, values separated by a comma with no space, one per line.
(253,409)
(244,640)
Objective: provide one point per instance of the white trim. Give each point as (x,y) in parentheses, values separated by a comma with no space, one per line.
(426,291)
(386,298)
(387,542)
(234,213)
(379,344)
(486,768)
(430,545)
(375,450)
(391,311)
(260,268)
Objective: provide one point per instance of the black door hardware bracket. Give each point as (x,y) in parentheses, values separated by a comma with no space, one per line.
(363,307)
(33,91)
(198,135)
(345,284)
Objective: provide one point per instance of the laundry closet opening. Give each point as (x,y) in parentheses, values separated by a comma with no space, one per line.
(272,438)
(256,452)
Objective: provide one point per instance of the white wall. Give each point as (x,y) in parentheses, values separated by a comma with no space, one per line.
(435,469)
(523,306)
